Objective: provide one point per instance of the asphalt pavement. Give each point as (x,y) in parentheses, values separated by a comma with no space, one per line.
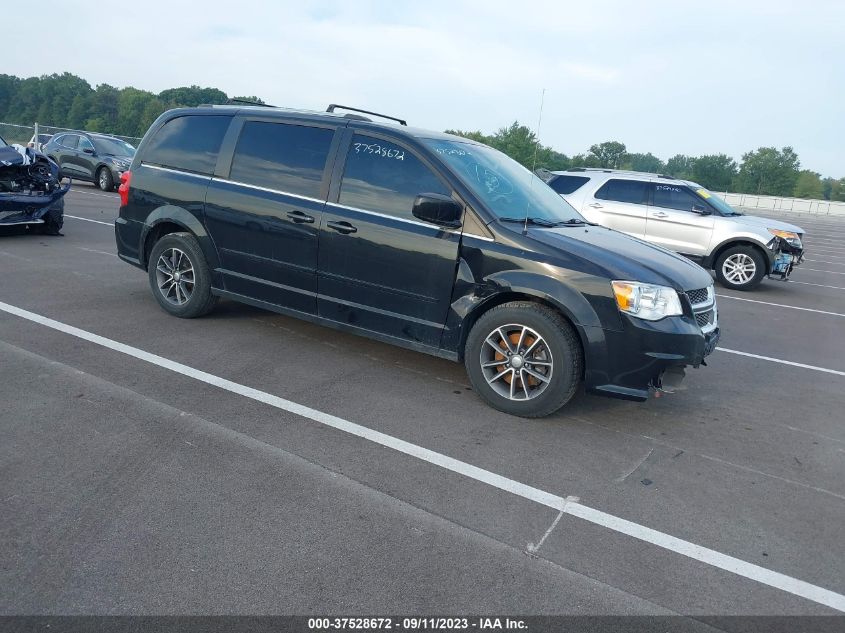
(131,487)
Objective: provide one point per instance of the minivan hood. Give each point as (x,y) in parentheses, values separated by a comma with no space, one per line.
(624,258)
(765,223)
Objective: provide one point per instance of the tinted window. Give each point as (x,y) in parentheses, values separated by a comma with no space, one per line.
(114,146)
(84,143)
(69,140)
(567,184)
(385,177)
(675,197)
(285,157)
(623,191)
(188,142)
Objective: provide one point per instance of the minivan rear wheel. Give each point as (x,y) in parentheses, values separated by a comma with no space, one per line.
(740,268)
(524,359)
(179,276)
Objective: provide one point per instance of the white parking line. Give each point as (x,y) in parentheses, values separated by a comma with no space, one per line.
(780,305)
(823,261)
(705,555)
(76,217)
(816,270)
(101,195)
(806,283)
(783,362)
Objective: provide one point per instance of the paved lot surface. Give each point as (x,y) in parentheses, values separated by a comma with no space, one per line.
(128,488)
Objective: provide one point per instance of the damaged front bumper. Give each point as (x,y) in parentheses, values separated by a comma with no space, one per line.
(32,208)
(784,256)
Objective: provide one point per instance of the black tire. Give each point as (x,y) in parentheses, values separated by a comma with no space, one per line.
(200,301)
(105,181)
(734,265)
(54,219)
(562,358)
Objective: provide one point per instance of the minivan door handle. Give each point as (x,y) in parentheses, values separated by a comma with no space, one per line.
(659,214)
(300,217)
(342,227)
(595,205)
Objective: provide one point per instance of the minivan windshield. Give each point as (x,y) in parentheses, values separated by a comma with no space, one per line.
(721,206)
(114,146)
(507,188)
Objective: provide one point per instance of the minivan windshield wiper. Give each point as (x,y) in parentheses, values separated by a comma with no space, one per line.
(543,221)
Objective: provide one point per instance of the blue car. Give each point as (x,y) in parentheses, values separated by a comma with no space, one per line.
(31,193)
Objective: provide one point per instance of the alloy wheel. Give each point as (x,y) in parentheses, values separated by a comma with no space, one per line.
(516,362)
(739,268)
(175,276)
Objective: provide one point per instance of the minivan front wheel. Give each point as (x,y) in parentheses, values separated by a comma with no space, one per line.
(179,276)
(523,358)
(740,268)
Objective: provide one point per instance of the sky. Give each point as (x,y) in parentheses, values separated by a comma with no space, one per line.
(662,77)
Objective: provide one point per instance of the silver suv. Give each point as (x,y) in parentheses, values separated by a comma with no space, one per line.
(684,217)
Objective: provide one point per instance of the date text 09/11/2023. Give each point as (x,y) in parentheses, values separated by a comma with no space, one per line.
(416,623)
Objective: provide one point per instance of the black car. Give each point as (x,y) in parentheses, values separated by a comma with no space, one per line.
(425,240)
(93,158)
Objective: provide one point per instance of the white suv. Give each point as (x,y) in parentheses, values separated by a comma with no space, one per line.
(684,217)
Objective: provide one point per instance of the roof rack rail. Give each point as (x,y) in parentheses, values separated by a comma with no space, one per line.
(249,102)
(334,106)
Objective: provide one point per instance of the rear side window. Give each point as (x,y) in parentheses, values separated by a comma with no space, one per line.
(567,184)
(288,158)
(385,177)
(188,142)
(675,197)
(69,140)
(633,191)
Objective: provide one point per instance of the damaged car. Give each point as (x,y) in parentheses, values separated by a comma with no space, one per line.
(684,217)
(31,191)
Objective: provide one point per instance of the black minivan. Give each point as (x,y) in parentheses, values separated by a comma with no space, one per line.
(425,240)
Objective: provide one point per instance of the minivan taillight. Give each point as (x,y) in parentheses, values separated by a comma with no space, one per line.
(123,189)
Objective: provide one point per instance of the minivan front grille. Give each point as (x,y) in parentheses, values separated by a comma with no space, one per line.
(698,296)
(704,318)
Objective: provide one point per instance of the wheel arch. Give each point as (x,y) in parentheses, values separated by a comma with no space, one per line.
(768,256)
(172,219)
(510,296)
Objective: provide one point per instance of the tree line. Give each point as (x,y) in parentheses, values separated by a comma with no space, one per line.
(65,100)
(765,171)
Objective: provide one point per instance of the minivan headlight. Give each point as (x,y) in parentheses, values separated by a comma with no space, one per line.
(646,301)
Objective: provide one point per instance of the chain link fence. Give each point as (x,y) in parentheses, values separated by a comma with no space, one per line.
(23,134)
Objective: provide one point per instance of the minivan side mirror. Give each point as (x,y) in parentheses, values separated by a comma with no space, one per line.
(438,209)
(700,209)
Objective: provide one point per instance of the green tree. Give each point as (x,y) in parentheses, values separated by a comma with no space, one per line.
(680,166)
(837,190)
(769,171)
(475,136)
(521,144)
(714,171)
(609,154)
(643,162)
(808,185)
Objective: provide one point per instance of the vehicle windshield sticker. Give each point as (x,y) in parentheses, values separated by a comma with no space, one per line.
(452,152)
(703,193)
(377,150)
